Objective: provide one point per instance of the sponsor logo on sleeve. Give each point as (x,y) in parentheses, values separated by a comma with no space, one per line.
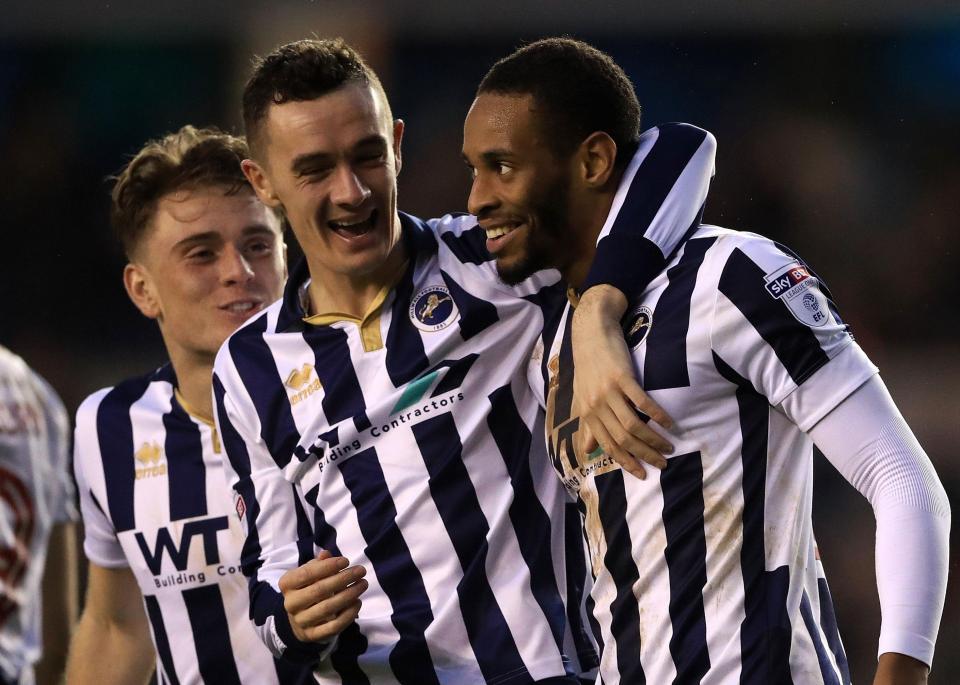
(796,288)
(433,309)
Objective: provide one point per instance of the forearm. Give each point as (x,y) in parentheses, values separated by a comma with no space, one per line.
(871,445)
(60,601)
(103,652)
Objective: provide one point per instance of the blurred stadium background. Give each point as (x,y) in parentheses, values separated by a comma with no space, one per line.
(837,127)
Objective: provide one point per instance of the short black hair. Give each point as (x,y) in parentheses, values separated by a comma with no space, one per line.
(580,88)
(302,70)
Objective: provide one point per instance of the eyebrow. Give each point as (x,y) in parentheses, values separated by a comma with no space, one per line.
(303,162)
(490,155)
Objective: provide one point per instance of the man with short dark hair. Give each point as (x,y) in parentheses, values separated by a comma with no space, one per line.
(161,528)
(388,388)
(708,571)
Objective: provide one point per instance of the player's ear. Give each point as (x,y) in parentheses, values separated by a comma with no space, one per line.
(397,138)
(260,182)
(597,155)
(139,285)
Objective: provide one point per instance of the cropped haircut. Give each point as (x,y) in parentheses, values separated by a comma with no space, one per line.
(188,159)
(579,89)
(299,71)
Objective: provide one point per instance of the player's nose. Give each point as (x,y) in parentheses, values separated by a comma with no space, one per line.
(481,199)
(348,189)
(235,267)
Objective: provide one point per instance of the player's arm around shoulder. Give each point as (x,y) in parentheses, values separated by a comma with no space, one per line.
(112,641)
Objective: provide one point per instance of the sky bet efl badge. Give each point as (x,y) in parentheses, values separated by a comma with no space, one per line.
(798,290)
(433,309)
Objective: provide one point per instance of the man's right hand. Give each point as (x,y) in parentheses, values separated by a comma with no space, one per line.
(322,597)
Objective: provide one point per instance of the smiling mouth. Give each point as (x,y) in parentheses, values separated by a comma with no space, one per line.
(245,307)
(354,229)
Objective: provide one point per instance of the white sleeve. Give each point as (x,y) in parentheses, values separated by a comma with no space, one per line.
(63,497)
(871,445)
(100,543)
(270,515)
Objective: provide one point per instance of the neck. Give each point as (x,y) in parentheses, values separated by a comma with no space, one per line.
(352,294)
(194,373)
(587,219)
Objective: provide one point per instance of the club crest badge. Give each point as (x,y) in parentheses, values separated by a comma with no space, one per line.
(636,326)
(433,309)
(796,288)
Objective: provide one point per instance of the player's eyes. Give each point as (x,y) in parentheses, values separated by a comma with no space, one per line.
(200,254)
(503,169)
(260,247)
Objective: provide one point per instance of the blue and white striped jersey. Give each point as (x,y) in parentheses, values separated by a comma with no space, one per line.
(707,571)
(154,499)
(36,492)
(414,444)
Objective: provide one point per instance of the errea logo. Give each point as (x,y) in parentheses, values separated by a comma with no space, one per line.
(304,381)
(152,463)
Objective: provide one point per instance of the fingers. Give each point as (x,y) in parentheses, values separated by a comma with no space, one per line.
(626,461)
(642,402)
(323,565)
(628,429)
(322,597)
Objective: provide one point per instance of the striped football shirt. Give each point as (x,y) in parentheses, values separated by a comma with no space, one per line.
(707,571)
(36,492)
(414,445)
(154,500)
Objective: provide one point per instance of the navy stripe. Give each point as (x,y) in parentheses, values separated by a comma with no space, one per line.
(293,674)
(399,576)
(211,634)
(828,621)
(457,370)
(531,523)
(456,499)
(290,317)
(351,643)
(476,315)
(470,247)
(765,634)
(343,397)
(262,596)
(686,555)
(254,362)
(576,572)
(665,365)
(552,302)
(186,474)
(406,357)
(618,560)
(797,347)
(160,638)
(813,629)
(304,530)
(115,436)
(625,258)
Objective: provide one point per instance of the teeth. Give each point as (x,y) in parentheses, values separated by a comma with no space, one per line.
(349,224)
(499,231)
(241,307)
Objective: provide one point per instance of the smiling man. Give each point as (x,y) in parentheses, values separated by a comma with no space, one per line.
(387,388)
(204,256)
(708,571)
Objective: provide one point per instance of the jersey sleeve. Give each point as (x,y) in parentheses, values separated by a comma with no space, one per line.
(100,543)
(775,324)
(270,513)
(61,490)
(658,205)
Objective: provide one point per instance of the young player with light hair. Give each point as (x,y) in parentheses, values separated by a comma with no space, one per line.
(162,533)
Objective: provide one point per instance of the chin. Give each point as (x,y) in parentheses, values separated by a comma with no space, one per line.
(514,271)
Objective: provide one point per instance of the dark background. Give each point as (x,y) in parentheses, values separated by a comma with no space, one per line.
(837,128)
